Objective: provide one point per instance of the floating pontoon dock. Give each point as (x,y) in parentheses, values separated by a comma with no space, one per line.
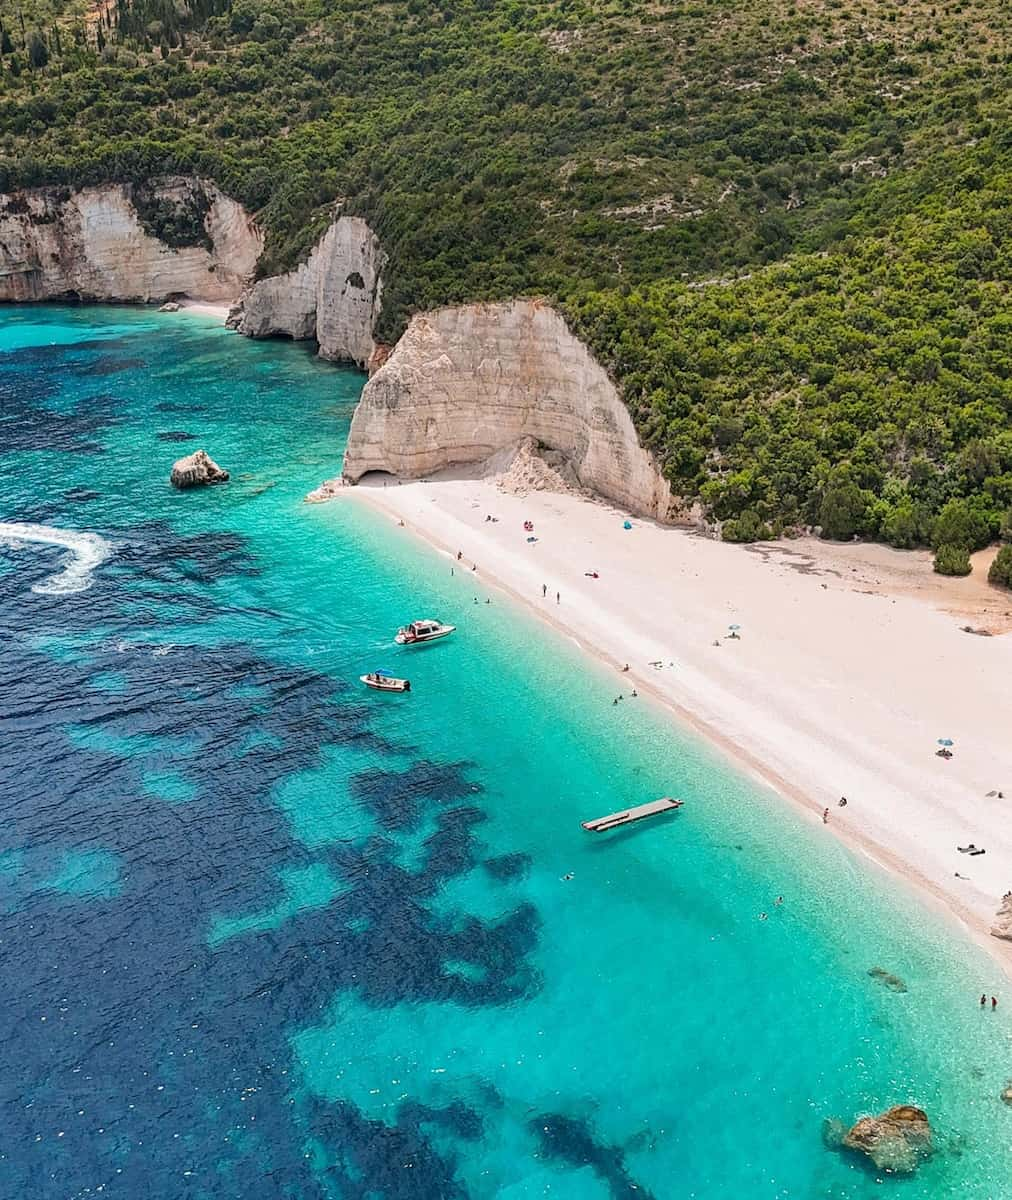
(613,820)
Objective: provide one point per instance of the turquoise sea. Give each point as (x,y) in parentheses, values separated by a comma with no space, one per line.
(265,934)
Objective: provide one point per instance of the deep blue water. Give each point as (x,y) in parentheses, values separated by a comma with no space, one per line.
(267,935)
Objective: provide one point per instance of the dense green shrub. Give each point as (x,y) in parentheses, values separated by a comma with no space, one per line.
(177,223)
(843,511)
(747,528)
(960,524)
(905,525)
(1000,571)
(952,560)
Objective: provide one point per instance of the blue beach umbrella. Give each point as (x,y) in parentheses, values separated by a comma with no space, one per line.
(734,627)
(945,741)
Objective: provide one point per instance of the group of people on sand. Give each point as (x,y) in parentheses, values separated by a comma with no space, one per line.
(841,803)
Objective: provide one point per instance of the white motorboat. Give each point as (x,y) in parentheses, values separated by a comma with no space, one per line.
(419,632)
(385,683)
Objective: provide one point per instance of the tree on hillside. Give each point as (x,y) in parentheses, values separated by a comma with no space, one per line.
(843,509)
(1000,571)
(38,52)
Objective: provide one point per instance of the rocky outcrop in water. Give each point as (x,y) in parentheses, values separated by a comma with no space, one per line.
(1002,927)
(106,243)
(465,383)
(895,1141)
(196,470)
(334,296)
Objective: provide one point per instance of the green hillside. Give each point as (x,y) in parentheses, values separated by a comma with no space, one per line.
(630,160)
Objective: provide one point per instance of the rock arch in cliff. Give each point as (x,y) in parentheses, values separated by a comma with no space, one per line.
(334,296)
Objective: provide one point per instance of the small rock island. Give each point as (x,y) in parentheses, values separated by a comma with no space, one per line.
(196,470)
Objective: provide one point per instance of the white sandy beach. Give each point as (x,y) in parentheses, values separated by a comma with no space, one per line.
(851,664)
(203,308)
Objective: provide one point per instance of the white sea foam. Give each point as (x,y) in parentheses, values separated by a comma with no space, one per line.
(87,551)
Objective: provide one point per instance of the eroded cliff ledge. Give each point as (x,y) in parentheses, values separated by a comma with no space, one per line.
(333,297)
(464,383)
(105,243)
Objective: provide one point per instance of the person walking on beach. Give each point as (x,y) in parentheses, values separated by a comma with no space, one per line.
(544,590)
(825,816)
(557,600)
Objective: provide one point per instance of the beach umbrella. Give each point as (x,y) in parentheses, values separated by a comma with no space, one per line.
(945,741)
(734,627)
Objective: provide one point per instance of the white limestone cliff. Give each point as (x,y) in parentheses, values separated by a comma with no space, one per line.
(91,243)
(334,296)
(466,382)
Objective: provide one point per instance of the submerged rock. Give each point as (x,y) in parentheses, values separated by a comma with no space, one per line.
(1002,927)
(196,470)
(833,1133)
(895,1141)
(888,979)
(169,306)
(1006,1093)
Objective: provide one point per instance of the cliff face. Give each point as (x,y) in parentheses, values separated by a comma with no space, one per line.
(92,243)
(334,296)
(463,383)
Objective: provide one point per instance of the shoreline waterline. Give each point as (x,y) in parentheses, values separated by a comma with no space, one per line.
(945,902)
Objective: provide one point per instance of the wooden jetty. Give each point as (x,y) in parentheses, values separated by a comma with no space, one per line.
(613,820)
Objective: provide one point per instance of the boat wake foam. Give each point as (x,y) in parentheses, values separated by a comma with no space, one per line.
(88,551)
